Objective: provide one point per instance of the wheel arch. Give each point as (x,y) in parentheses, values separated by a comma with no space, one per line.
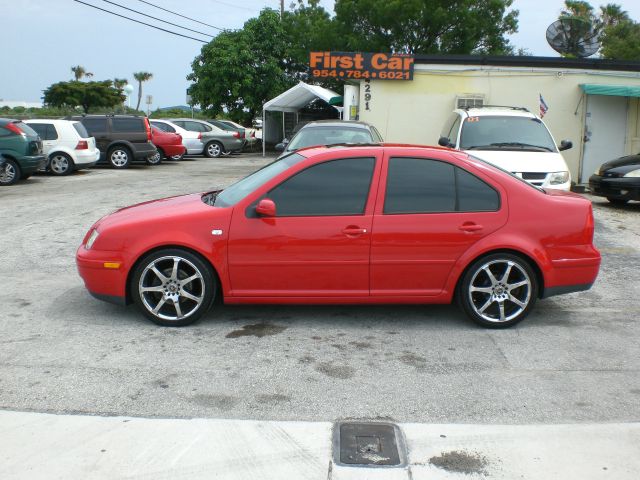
(518,253)
(219,291)
(120,143)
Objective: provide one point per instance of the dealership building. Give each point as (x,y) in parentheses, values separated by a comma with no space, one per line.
(593,103)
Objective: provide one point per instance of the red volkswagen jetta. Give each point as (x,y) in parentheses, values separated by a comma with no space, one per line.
(334,225)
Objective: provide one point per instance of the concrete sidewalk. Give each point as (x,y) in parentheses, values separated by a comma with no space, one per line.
(44,446)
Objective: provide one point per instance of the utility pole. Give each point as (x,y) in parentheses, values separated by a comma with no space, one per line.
(281,9)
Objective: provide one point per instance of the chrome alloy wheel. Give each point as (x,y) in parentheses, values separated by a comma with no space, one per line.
(171,288)
(7,173)
(59,164)
(119,158)
(500,290)
(214,150)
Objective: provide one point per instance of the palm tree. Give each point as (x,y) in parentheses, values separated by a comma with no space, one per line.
(141,77)
(79,71)
(119,83)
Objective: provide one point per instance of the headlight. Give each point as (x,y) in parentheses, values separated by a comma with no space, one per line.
(557,178)
(597,172)
(92,238)
(633,173)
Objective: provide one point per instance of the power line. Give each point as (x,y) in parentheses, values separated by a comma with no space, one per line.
(156,18)
(143,23)
(180,15)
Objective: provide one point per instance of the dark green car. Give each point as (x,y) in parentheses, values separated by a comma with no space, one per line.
(21,149)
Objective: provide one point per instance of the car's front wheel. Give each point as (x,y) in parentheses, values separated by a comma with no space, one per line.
(119,157)
(499,290)
(60,164)
(213,149)
(9,173)
(173,287)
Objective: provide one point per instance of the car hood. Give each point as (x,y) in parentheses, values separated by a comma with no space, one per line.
(631,160)
(515,161)
(163,210)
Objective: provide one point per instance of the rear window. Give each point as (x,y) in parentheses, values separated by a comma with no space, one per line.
(310,136)
(81,130)
(26,129)
(164,127)
(127,125)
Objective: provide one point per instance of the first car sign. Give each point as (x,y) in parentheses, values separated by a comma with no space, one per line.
(384,66)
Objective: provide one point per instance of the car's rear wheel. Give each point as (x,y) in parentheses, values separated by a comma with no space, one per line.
(617,201)
(177,157)
(173,287)
(60,164)
(213,149)
(156,158)
(9,173)
(499,290)
(119,157)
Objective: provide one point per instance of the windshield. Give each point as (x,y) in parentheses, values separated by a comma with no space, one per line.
(508,132)
(236,192)
(310,136)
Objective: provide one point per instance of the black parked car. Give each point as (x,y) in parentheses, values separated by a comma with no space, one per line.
(618,180)
(122,139)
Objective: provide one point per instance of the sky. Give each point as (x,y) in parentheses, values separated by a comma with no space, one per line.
(43,39)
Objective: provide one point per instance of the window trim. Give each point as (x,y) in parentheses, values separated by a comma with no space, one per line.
(455,183)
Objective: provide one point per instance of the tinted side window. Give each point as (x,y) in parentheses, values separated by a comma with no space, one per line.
(338,187)
(127,124)
(474,195)
(41,129)
(94,125)
(429,186)
(417,185)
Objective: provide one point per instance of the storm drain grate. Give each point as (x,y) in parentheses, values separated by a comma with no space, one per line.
(367,444)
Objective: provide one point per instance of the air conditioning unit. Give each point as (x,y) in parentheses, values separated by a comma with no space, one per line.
(470,100)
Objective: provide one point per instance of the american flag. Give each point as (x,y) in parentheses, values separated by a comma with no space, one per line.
(543,107)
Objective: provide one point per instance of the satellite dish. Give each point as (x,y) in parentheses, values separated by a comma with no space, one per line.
(574,36)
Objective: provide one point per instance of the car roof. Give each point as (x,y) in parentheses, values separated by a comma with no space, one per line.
(336,123)
(490,111)
(50,120)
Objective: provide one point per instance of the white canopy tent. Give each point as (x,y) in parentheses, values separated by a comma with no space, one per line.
(293,100)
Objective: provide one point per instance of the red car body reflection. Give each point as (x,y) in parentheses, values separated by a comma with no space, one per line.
(359,225)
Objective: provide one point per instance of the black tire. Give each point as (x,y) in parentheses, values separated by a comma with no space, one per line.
(176,158)
(156,158)
(498,291)
(165,291)
(60,164)
(617,201)
(9,173)
(213,149)
(119,157)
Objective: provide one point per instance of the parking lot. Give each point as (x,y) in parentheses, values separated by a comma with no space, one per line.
(575,359)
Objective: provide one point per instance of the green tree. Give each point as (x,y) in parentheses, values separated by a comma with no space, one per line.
(426,26)
(238,71)
(140,78)
(79,71)
(622,41)
(88,95)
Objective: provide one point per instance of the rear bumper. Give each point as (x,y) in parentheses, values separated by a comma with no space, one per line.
(171,150)
(142,151)
(86,158)
(32,163)
(617,187)
(573,274)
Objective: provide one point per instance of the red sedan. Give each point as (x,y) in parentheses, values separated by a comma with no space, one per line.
(358,225)
(169,145)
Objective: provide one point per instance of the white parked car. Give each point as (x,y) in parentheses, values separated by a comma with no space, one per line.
(512,138)
(192,141)
(67,145)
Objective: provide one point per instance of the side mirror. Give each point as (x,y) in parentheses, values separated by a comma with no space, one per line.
(444,142)
(565,145)
(266,208)
(279,147)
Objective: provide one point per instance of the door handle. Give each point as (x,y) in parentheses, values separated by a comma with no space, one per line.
(470,227)
(354,231)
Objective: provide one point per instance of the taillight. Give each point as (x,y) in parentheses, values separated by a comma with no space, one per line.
(82,145)
(236,134)
(199,135)
(253,134)
(590,226)
(179,137)
(148,128)
(12,127)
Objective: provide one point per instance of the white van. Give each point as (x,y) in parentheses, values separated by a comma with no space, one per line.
(512,138)
(67,145)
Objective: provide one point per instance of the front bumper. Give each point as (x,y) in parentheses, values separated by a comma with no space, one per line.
(618,188)
(102,282)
